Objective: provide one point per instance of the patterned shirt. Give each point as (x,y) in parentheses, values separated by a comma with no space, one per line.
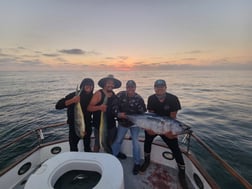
(130,105)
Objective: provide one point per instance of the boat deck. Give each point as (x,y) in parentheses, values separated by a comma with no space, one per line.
(162,173)
(156,177)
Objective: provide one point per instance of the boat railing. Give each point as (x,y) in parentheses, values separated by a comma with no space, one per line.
(186,140)
(227,167)
(21,146)
(38,131)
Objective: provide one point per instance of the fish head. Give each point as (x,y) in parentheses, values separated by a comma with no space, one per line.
(105,100)
(78,92)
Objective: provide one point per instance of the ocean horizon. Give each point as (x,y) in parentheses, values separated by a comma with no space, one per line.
(217,104)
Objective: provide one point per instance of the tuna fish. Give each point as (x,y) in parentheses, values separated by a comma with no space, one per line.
(103,131)
(159,124)
(79,123)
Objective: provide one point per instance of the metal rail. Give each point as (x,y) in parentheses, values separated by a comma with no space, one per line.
(242,180)
(28,133)
(227,167)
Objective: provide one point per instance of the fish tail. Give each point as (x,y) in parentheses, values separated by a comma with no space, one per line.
(103,131)
(76,92)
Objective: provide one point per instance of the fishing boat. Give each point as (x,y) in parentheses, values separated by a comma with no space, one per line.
(41,161)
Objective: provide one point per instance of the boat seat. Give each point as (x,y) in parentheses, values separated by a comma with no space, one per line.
(105,164)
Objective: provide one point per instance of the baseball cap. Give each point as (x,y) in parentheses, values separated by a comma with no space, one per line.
(131,83)
(160,83)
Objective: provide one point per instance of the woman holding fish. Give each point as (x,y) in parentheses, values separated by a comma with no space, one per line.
(77,115)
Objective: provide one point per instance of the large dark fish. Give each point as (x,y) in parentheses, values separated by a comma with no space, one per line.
(79,123)
(103,131)
(159,124)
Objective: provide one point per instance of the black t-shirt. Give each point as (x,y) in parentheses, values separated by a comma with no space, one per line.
(170,104)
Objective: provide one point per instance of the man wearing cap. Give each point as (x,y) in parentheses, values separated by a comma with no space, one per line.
(87,87)
(129,102)
(163,104)
(97,106)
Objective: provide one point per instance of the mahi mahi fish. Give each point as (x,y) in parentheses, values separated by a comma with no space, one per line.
(159,124)
(103,131)
(79,123)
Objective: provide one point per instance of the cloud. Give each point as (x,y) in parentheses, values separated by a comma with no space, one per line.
(32,63)
(22,58)
(76,51)
(12,64)
(3,54)
(109,58)
(123,57)
(194,52)
(7,61)
(189,59)
(22,48)
(222,64)
(51,55)
(73,51)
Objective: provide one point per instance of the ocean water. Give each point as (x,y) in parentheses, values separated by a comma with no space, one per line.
(216,104)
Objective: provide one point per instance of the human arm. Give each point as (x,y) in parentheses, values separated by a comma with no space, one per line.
(92,107)
(122,115)
(169,134)
(173,115)
(175,107)
(141,106)
(150,131)
(150,109)
(73,100)
(66,101)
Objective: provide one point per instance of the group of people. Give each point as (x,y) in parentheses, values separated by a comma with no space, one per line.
(117,107)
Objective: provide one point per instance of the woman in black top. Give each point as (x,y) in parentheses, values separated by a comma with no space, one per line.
(87,86)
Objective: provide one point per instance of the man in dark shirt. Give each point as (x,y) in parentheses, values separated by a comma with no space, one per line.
(163,104)
(87,87)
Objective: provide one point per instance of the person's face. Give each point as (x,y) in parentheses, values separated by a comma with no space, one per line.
(109,85)
(88,88)
(160,90)
(130,90)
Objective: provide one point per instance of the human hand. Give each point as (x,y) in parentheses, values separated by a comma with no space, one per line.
(150,132)
(76,99)
(170,135)
(84,133)
(122,115)
(103,107)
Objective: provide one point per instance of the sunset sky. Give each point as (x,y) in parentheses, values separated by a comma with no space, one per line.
(125,34)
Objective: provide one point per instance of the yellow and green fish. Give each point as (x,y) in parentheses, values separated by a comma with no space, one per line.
(79,123)
(103,131)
